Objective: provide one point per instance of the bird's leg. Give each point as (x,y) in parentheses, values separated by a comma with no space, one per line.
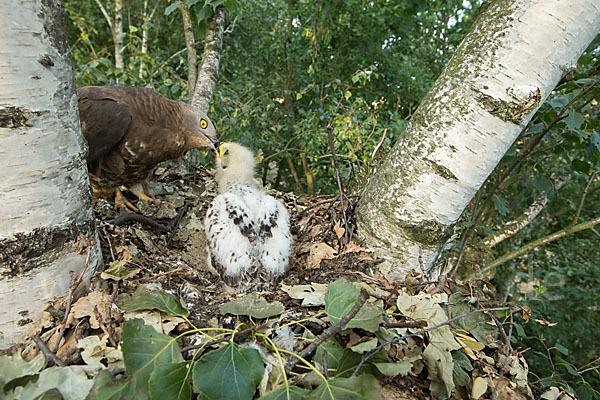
(140,190)
(121,201)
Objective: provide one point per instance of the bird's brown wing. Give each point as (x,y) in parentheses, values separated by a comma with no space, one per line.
(104,122)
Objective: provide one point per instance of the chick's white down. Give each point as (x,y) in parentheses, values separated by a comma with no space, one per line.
(246,229)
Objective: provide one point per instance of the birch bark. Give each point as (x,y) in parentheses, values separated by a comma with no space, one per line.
(501,73)
(45,198)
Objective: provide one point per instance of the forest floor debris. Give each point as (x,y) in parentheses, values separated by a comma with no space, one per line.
(409,340)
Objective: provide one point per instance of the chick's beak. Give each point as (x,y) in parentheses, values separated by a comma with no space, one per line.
(219,149)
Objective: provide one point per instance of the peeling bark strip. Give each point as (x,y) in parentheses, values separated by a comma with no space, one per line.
(45,198)
(39,247)
(503,70)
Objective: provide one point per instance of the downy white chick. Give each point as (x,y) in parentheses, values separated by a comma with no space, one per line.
(246,229)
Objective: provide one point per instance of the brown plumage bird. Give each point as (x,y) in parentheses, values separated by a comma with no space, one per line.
(130,130)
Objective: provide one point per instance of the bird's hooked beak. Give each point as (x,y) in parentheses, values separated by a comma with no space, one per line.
(215,145)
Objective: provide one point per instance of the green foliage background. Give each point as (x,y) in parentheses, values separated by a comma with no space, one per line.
(290,69)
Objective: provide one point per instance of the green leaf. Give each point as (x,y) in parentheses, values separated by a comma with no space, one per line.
(364,346)
(543,184)
(228,373)
(347,94)
(14,367)
(286,393)
(252,305)
(334,353)
(460,377)
(172,7)
(393,369)
(595,140)
(144,349)
(501,205)
(71,382)
(580,166)
(171,381)
(354,388)
(350,360)
(298,96)
(145,299)
(339,300)
(558,102)
(562,349)
(574,120)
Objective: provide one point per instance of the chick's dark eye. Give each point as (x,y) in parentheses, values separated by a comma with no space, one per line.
(226,152)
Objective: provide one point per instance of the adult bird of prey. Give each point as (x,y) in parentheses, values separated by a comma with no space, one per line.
(246,229)
(130,130)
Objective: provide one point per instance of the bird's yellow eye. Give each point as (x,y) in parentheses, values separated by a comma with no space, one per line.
(203,124)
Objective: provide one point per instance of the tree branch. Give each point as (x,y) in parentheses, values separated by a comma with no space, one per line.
(547,239)
(511,228)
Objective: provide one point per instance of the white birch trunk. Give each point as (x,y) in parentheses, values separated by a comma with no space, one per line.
(118,34)
(45,198)
(208,72)
(503,70)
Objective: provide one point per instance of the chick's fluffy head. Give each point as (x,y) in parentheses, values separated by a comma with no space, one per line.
(234,164)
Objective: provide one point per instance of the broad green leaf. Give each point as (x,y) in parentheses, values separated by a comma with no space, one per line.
(289,393)
(347,94)
(574,120)
(254,306)
(334,353)
(580,166)
(145,299)
(350,360)
(172,7)
(339,300)
(108,388)
(393,369)
(595,140)
(71,382)
(460,376)
(364,346)
(144,349)
(171,381)
(543,184)
(562,349)
(501,205)
(558,102)
(228,373)
(14,367)
(353,388)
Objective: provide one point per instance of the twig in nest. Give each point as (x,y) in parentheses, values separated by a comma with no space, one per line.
(104,328)
(507,353)
(124,217)
(372,353)
(217,341)
(72,287)
(332,330)
(176,271)
(176,222)
(50,356)
(339,182)
(406,324)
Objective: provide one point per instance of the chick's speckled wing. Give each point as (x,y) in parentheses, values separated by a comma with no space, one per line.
(230,234)
(274,240)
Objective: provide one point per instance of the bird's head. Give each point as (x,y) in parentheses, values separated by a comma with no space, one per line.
(234,164)
(203,130)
